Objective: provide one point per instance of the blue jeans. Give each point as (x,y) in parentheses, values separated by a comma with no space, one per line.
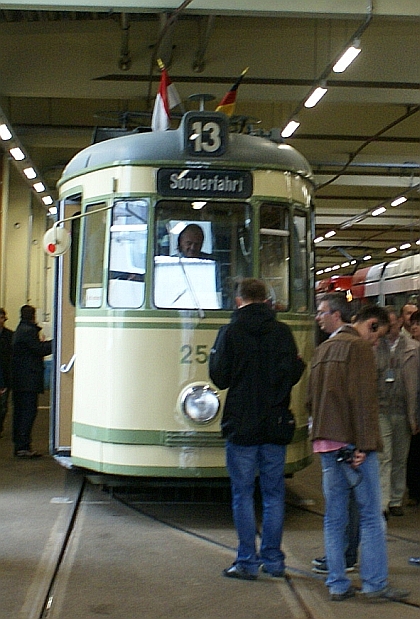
(243,464)
(373,554)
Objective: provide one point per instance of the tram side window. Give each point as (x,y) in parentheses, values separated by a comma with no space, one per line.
(127,254)
(300,286)
(198,253)
(93,256)
(275,253)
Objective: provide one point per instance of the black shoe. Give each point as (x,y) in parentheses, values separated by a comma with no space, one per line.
(236,571)
(414,561)
(396,510)
(274,573)
(340,597)
(385,514)
(26,453)
(320,567)
(387,594)
(319,561)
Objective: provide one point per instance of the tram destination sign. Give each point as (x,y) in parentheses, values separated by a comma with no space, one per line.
(197,183)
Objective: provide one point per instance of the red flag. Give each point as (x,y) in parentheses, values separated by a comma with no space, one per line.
(166,98)
(227,104)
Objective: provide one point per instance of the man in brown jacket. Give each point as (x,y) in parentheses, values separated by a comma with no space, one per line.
(343,402)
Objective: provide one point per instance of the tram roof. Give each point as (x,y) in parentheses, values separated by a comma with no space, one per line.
(167,148)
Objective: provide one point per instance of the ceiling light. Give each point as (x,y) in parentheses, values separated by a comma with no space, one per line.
(290,128)
(318,239)
(47,200)
(399,201)
(335,267)
(347,58)
(52,210)
(345,264)
(353,262)
(39,187)
(378,211)
(320,272)
(316,96)
(368,257)
(5,133)
(327,270)
(418,242)
(329,234)
(405,246)
(29,173)
(17,154)
(391,250)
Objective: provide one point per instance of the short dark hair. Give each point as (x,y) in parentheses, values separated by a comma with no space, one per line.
(372,311)
(2,311)
(337,302)
(251,289)
(27,312)
(415,318)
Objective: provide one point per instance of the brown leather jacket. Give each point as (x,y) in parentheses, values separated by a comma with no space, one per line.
(342,392)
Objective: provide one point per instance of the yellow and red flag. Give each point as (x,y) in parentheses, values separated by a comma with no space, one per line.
(166,98)
(227,104)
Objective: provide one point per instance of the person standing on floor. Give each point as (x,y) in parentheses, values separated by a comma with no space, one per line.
(255,357)
(5,366)
(28,353)
(397,361)
(334,312)
(343,402)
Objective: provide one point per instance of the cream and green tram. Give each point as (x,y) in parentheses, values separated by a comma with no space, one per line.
(136,316)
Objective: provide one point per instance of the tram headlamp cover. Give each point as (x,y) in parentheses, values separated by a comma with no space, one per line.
(200,404)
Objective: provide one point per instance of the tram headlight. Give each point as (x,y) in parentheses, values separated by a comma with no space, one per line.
(200,404)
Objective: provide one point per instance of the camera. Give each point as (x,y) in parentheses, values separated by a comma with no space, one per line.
(345,454)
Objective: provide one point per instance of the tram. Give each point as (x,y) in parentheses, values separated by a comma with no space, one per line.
(136,315)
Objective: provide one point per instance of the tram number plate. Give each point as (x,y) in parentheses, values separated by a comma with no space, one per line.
(197,354)
(205,133)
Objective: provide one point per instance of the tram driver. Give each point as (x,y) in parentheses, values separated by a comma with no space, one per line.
(190,242)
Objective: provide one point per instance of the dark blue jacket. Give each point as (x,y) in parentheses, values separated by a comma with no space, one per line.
(28,358)
(255,356)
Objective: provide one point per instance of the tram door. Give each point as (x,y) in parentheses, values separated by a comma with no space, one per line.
(61,427)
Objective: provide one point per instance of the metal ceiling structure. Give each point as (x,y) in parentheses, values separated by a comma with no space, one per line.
(64,71)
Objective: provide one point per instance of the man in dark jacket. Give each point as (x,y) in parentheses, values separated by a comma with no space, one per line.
(5,363)
(255,356)
(27,379)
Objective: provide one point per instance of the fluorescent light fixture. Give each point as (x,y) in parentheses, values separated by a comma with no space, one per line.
(418,242)
(17,154)
(399,201)
(52,210)
(329,234)
(346,59)
(368,257)
(320,272)
(405,246)
(345,264)
(5,133)
(290,128)
(328,269)
(29,173)
(316,96)
(47,200)
(318,239)
(335,267)
(378,211)
(391,250)
(39,187)
(353,261)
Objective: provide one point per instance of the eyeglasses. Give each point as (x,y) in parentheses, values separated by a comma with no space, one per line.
(323,313)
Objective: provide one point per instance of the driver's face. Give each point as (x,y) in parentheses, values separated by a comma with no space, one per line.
(191,243)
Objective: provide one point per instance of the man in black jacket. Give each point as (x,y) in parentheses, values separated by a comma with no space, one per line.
(27,379)
(255,356)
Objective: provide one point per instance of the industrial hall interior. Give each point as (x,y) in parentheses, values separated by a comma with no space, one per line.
(327,90)
(67,72)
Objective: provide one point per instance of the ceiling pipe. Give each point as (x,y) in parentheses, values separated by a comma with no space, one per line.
(124,62)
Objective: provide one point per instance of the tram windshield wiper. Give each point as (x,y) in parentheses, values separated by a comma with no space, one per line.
(191,288)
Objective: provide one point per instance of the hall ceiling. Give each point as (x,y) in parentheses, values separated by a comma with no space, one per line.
(63,72)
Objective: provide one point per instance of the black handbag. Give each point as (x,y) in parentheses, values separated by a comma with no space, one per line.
(281,427)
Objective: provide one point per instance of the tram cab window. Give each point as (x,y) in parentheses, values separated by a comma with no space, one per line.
(93,255)
(198,254)
(127,254)
(283,256)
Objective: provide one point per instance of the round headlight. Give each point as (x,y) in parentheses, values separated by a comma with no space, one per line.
(200,404)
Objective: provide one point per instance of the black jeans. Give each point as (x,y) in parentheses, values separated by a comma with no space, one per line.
(25,405)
